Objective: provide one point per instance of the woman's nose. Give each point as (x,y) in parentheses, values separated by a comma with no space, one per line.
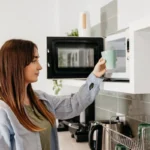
(39,67)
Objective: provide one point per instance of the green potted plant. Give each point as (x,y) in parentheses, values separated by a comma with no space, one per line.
(74,32)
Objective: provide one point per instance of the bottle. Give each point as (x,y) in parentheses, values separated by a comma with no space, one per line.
(84,24)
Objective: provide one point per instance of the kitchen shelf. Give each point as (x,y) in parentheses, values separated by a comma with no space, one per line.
(116,87)
(110,86)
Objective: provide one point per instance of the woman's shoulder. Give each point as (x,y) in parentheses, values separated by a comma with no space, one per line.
(3,105)
(39,93)
(7,117)
(48,99)
(4,109)
(43,95)
(4,112)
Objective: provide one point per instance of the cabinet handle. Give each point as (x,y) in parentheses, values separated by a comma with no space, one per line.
(48,51)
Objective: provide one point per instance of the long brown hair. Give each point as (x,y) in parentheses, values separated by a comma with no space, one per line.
(15,55)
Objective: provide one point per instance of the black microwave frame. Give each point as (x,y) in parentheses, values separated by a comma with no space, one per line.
(52,55)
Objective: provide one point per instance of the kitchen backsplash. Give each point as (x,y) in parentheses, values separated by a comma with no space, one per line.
(109,103)
(136,106)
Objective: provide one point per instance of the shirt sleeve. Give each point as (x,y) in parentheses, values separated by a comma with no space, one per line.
(5,143)
(66,107)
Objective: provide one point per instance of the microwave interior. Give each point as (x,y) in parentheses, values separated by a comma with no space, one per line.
(72,57)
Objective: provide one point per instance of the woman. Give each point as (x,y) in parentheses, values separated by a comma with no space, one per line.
(27,117)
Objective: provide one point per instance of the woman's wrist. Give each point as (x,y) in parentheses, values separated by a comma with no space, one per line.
(95,74)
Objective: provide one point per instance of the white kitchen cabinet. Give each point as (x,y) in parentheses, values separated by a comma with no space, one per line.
(140,56)
(139,65)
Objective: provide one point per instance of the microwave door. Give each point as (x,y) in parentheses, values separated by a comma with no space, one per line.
(74,57)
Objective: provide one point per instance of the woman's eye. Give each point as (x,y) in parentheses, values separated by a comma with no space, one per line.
(34,61)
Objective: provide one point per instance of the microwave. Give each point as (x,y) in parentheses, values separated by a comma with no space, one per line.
(75,57)
(72,57)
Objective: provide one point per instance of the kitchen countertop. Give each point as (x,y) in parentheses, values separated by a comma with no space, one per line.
(66,142)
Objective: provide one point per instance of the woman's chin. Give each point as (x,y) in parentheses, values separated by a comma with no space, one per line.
(32,81)
(35,80)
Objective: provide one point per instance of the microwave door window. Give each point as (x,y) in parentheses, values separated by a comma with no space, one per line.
(75,57)
(86,58)
(90,57)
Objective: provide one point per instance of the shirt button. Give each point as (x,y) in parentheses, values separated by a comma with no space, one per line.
(91,86)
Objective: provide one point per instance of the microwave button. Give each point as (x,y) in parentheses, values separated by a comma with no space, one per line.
(48,65)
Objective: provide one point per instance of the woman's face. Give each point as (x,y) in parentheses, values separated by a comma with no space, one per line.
(31,72)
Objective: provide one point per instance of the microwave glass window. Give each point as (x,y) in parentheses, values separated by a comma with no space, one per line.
(75,57)
(119,46)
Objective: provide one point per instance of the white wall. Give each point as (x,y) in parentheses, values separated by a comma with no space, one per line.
(27,19)
(68,12)
(130,10)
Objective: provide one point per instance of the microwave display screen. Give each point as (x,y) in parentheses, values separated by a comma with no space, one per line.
(75,57)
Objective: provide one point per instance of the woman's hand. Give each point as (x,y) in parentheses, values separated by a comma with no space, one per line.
(100,68)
